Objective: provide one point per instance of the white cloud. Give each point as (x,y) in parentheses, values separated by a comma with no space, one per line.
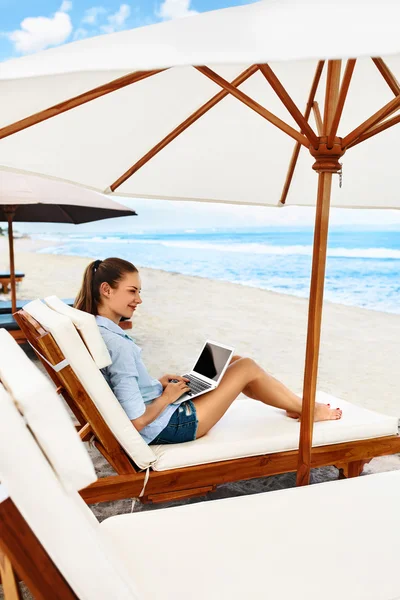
(38,33)
(80,33)
(116,21)
(65,6)
(175,9)
(91,15)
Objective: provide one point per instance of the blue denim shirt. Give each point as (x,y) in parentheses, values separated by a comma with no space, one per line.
(128,378)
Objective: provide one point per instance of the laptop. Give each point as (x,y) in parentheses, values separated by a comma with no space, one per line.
(208,369)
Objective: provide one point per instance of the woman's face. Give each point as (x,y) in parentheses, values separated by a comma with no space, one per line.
(124,299)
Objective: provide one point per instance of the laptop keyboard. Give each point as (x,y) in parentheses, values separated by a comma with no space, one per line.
(196,385)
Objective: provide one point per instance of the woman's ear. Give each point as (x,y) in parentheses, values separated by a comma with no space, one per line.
(105,289)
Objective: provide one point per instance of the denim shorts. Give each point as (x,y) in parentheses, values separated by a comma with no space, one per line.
(182,426)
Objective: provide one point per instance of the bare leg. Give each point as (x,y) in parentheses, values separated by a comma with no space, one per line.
(244,375)
(255,390)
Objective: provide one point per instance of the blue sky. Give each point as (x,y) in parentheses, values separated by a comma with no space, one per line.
(27,26)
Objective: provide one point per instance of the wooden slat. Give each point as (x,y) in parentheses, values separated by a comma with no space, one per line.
(296,150)
(29,558)
(195,116)
(332,93)
(8,579)
(387,75)
(254,105)
(344,88)
(182,494)
(285,98)
(314,326)
(318,118)
(113,488)
(375,130)
(85,432)
(380,115)
(88,96)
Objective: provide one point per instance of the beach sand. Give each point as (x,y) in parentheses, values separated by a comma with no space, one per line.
(359,348)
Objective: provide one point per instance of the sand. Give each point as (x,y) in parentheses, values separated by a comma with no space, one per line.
(358,359)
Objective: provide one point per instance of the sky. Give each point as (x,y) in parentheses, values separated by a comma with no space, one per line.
(27,27)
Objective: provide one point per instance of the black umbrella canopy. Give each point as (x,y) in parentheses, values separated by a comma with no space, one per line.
(29,198)
(64,213)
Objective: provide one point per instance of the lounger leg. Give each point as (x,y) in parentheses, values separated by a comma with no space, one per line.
(352,469)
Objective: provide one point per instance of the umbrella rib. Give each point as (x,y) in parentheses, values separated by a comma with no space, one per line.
(88,96)
(344,88)
(285,98)
(296,150)
(197,114)
(373,120)
(387,75)
(318,118)
(375,130)
(254,105)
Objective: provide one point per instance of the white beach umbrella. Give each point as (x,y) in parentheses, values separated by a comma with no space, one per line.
(207,108)
(29,198)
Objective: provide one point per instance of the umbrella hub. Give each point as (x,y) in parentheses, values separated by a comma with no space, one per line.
(327,159)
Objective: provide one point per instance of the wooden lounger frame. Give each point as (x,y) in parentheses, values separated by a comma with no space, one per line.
(184,482)
(21,553)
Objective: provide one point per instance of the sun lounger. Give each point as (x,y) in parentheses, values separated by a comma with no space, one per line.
(326,541)
(5,280)
(252,440)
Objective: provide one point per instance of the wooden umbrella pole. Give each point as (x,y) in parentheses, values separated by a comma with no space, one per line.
(314,326)
(327,163)
(10,212)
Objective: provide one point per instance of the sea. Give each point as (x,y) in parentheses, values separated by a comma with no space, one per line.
(363,266)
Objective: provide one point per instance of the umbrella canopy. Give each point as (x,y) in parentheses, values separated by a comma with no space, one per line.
(231,153)
(41,200)
(29,198)
(208,108)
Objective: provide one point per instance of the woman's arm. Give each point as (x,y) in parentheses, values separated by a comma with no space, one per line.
(172,392)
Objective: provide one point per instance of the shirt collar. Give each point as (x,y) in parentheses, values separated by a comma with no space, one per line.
(111,326)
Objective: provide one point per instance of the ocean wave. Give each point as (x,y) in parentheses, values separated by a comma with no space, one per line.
(298,250)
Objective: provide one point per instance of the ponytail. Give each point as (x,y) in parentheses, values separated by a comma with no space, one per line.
(111,271)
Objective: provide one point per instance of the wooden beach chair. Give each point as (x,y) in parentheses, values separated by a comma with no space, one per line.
(331,540)
(251,441)
(5,280)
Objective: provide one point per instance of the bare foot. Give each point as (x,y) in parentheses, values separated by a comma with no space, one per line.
(323,412)
(292,415)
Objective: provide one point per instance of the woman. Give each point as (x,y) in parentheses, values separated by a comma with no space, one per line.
(111,291)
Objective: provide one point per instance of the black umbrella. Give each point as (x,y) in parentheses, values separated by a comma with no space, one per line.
(30,198)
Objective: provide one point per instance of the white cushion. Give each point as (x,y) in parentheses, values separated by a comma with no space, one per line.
(38,401)
(87,327)
(330,541)
(251,428)
(75,351)
(60,520)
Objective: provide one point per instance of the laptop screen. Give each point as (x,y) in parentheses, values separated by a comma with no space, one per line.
(212,361)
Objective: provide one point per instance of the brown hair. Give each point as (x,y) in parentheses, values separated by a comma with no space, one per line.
(111,271)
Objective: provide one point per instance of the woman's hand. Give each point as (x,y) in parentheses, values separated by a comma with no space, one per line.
(173,391)
(165,379)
